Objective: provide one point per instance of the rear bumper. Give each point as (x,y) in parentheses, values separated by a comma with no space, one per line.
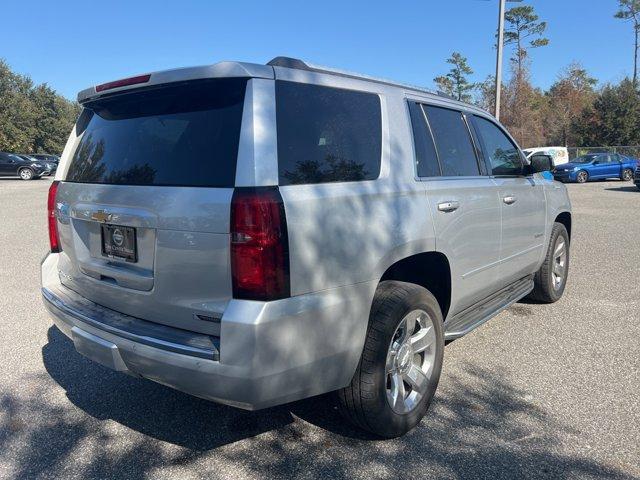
(268,353)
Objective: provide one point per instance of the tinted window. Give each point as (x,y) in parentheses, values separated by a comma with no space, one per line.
(453,142)
(176,135)
(326,134)
(426,157)
(503,154)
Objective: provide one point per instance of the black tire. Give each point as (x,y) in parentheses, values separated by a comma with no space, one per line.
(26,174)
(546,289)
(627,175)
(582,177)
(364,401)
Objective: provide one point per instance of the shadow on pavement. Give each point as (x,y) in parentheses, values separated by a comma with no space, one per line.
(478,426)
(627,188)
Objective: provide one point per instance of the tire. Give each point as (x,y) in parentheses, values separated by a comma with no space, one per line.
(627,175)
(366,401)
(26,174)
(547,288)
(582,177)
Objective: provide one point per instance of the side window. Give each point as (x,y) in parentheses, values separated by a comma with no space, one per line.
(426,156)
(453,142)
(327,134)
(503,155)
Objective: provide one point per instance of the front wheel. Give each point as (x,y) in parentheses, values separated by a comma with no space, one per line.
(26,174)
(627,175)
(400,364)
(582,177)
(551,279)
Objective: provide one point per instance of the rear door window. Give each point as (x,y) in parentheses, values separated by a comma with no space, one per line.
(182,135)
(426,156)
(327,134)
(502,153)
(453,142)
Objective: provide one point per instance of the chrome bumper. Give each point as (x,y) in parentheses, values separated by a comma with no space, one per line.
(268,353)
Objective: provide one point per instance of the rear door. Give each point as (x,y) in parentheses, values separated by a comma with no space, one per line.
(522,203)
(144,203)
(605,166)
(464,202)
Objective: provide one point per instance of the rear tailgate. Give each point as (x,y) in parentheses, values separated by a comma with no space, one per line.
(143,208)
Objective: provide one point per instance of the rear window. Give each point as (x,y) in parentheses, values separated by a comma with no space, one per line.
(453,142)
(327,134)
(426,156)
(182,135)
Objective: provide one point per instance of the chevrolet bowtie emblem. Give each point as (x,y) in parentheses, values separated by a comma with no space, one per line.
(101,216)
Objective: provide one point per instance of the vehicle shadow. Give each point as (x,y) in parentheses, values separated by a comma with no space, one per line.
(628,188)
(479,426)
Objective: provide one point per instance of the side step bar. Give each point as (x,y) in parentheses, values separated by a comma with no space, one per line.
(474,316)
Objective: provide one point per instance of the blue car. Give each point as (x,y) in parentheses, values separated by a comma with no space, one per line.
(596,166)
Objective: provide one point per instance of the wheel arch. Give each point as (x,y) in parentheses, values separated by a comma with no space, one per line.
(430,270)
(565,219)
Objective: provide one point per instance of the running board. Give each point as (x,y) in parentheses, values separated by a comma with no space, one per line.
(474,316)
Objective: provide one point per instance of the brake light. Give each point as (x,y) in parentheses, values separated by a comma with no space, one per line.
(259,244)
(54,241)
(123,83)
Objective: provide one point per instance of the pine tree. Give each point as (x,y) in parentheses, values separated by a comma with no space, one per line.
(455,83)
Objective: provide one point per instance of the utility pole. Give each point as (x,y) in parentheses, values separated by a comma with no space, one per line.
(499,57)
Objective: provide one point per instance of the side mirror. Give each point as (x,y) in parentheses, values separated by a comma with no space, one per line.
(541,163)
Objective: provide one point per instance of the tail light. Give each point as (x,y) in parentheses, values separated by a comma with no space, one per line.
(123,83)
(54,241)
(259,244)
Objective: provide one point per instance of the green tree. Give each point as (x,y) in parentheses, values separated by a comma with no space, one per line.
(629,10)
(456,83)
(613,118)
(33,119)
(568,97)
(524,31)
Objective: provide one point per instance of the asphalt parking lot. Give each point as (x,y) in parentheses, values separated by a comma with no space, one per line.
(540,391)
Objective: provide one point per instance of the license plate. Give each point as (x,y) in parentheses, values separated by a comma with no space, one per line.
(119,242)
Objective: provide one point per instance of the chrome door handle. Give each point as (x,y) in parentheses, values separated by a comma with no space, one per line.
(509,200)
(448,206)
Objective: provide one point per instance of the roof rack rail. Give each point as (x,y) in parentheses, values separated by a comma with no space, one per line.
(296,63)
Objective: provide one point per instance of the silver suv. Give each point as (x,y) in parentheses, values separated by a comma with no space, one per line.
(258,234)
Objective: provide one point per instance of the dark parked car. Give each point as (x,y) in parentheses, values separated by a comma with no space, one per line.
(636,179)
(51,160)
(596,166)
(12,165)
(48,167)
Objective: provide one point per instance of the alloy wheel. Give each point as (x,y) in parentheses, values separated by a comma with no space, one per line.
(559,269)
(410,361)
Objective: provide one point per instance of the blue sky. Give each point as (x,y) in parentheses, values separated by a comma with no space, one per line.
(71,45)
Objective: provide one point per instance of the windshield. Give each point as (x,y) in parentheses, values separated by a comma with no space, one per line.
(177,135)
(586,159)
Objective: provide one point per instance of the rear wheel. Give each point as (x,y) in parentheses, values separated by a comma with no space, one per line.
(401,361)
(582,177)
(26,174)
(627,175)
(551,279)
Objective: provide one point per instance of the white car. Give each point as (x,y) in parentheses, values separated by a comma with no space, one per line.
(560,155)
